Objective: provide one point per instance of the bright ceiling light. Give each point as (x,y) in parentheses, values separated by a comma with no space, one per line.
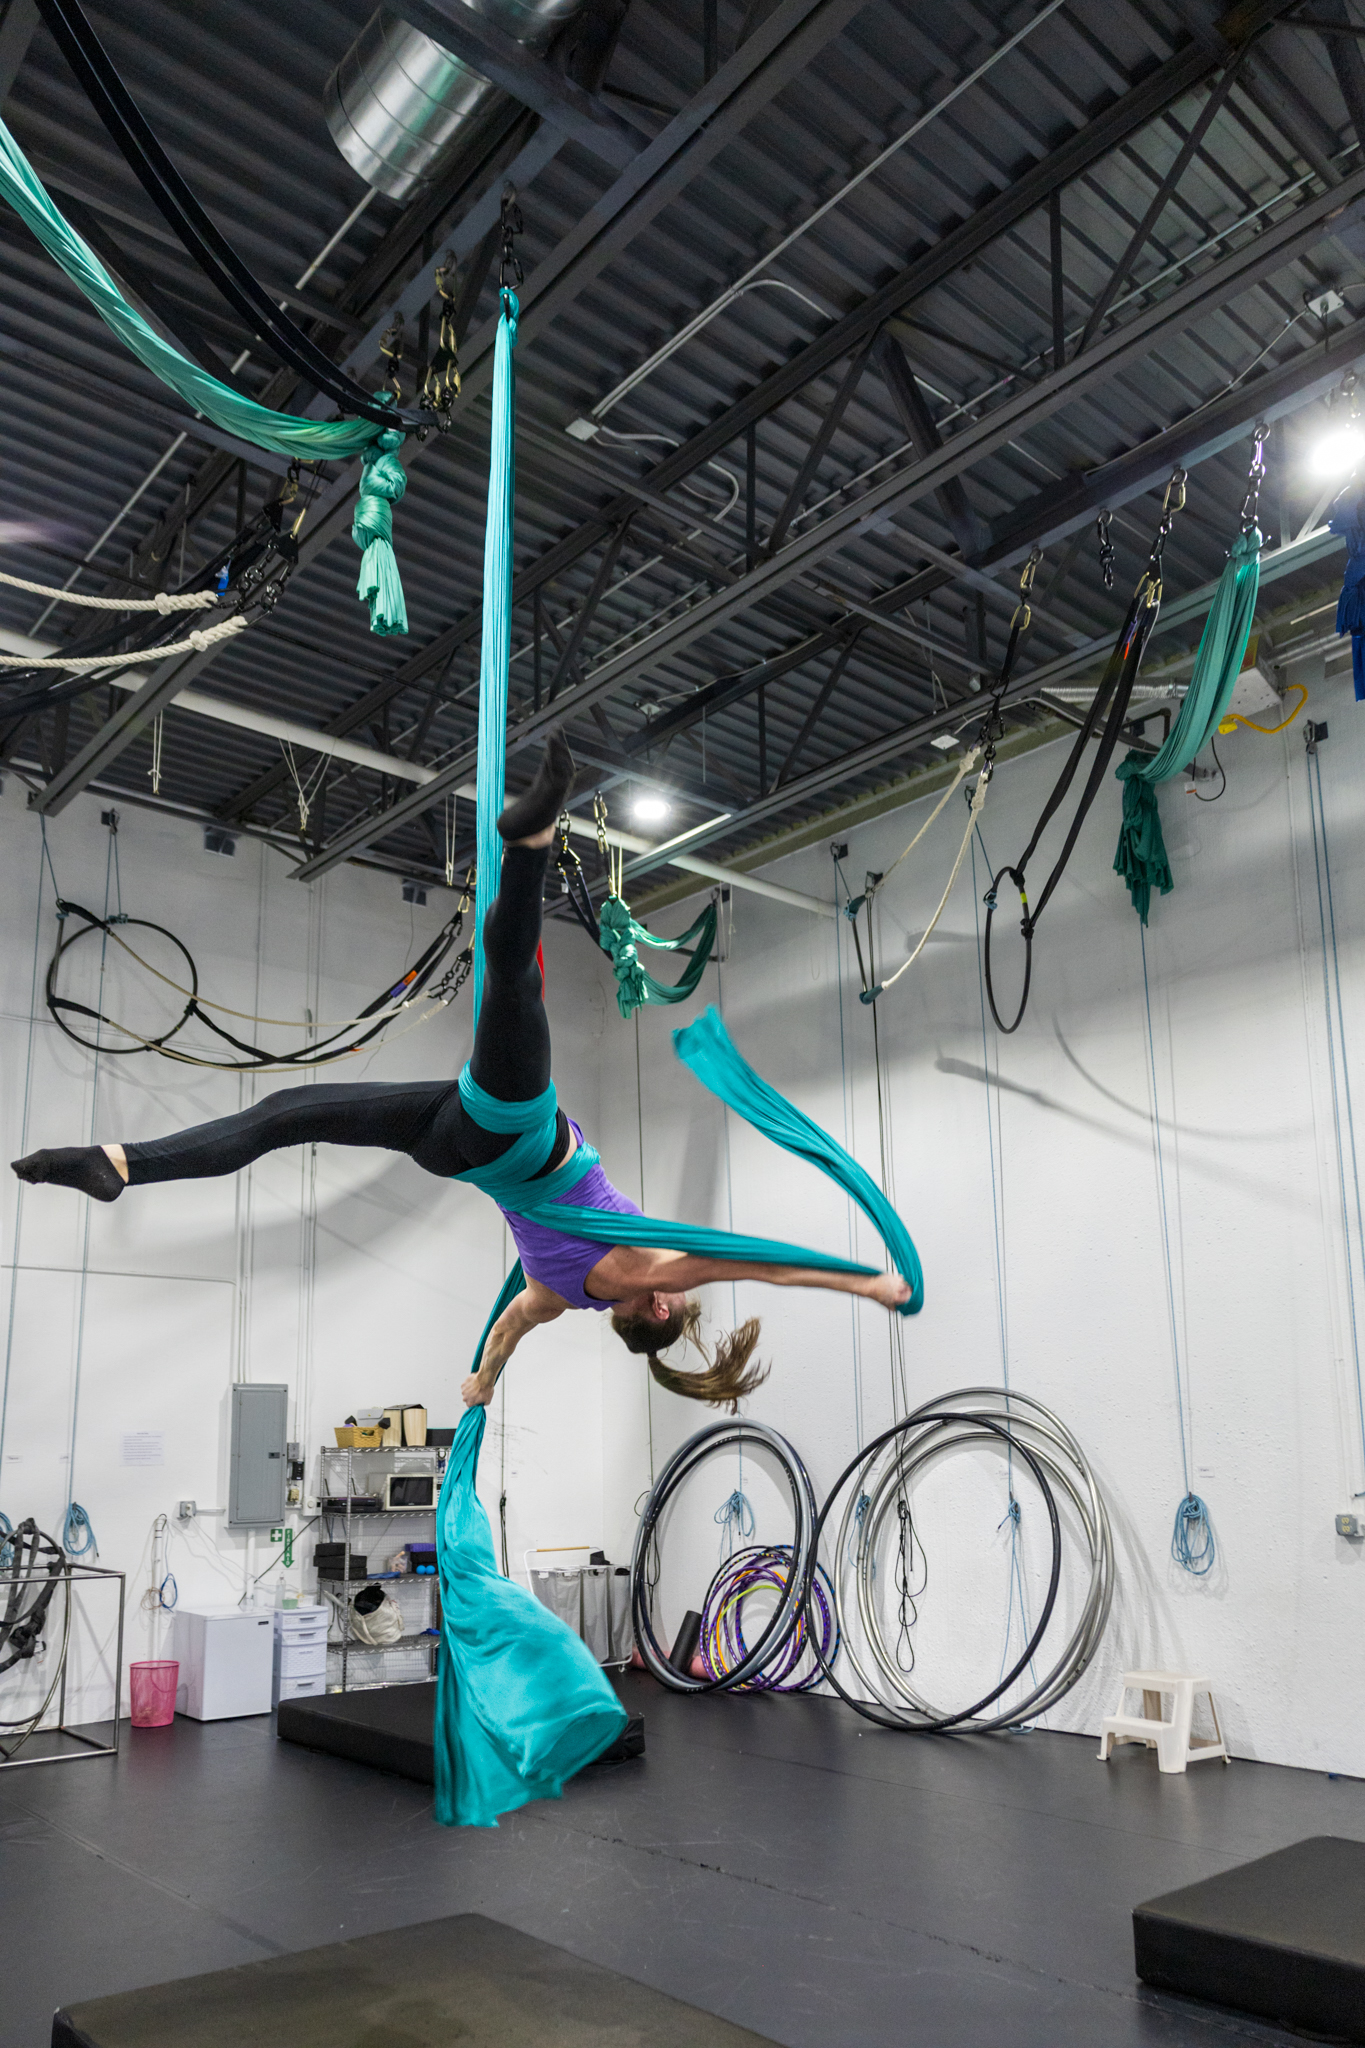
(1339,451)
(649,810)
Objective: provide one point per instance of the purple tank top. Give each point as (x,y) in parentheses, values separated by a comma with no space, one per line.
(553,1257)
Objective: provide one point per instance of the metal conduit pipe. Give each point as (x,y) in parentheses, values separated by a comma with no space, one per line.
(397,101)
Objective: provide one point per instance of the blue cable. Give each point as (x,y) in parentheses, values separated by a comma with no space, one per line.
(735,1520)
(1192,1544)
(78,1538)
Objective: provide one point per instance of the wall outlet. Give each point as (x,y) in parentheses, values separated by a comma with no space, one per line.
(188,1510)
(1350,1526)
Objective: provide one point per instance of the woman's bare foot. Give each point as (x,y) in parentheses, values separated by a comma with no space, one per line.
(889,1289)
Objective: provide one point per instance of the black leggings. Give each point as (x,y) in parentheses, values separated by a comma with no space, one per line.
(425,1119)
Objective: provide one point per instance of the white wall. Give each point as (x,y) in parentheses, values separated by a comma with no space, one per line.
(188,1285)
(1255,1220)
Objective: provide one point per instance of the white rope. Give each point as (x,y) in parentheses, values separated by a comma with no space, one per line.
(160,601)
(197,642)
(974,811)
(964,769)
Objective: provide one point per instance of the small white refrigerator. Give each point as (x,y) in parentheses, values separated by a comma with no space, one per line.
(226,1658)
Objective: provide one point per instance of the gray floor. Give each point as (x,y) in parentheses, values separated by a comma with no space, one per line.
(772,1860)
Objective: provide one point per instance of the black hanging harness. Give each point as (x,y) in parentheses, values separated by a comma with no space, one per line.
(1109,708)
(37,1565)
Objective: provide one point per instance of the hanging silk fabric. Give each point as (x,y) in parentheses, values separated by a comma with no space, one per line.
(1141,856)
(1349,522)
(521,1705)
(308,440)
(621,938)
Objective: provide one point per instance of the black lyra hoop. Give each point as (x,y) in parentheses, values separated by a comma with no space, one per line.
(57,1004)
(1016,875)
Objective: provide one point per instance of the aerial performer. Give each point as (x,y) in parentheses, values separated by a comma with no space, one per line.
(454,1129)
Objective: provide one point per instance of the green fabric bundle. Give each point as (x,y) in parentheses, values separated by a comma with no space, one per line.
(382,484)
(621,937)
(1141,856)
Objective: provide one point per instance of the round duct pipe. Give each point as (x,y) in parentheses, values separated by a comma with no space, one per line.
(397,99)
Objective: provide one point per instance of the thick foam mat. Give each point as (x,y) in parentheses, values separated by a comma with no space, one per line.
(1283,1937)
(466,1980)
(391,1727)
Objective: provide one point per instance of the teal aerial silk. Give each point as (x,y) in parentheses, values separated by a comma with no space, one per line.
(1141,856)
(521,1702)
(384,479)
(621,938)
(489,786)
(521,1705)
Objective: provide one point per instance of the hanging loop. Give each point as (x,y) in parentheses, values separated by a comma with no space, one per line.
(991,901)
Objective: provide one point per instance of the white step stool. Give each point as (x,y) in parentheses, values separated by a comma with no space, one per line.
(1175,1747)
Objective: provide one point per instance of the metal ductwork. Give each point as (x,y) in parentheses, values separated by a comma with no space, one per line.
(397,100)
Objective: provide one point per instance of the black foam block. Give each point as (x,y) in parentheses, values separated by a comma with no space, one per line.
(465,1979)
(1283,1937)
(392,1727)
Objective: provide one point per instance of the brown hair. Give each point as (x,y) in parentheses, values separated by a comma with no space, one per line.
(728,1376)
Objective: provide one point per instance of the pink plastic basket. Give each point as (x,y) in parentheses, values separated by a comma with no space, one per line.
(152,1685)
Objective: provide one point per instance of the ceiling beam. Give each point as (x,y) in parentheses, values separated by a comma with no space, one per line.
(916,732)
(1268,253)
(1143,103)
(778,50)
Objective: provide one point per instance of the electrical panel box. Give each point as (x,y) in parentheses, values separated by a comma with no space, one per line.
(256,1479)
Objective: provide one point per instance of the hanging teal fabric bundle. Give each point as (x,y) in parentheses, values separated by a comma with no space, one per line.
(621,937)
(497,627)
(521,1703)
(308,440)
(1141,856)
(382,483)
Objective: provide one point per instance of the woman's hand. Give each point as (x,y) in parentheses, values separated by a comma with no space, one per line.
(476,1391)
(889,1289)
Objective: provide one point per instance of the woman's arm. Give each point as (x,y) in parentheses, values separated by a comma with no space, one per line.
(632,1269)
(535,1305)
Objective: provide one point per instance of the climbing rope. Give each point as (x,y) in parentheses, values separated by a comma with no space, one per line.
(197,642)
(161,601)
(1110,705)
(983,749)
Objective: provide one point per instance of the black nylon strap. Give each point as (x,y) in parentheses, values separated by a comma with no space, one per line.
(193,228)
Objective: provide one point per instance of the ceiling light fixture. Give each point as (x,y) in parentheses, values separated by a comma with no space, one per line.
(1339,451)
(649,810)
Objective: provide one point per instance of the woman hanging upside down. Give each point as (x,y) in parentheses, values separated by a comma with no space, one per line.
(646,1290)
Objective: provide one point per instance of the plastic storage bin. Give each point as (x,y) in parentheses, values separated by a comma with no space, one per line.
(151,1685)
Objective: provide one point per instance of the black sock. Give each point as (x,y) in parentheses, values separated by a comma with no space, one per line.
(542,803)
(85,1167)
